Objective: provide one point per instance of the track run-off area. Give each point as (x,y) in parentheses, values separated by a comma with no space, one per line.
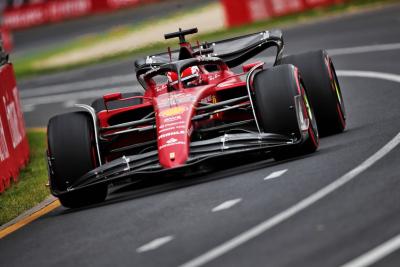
(337,207)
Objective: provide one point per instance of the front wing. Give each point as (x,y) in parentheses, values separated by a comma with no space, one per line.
(128,169)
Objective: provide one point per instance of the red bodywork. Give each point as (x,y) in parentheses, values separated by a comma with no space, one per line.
(174,111)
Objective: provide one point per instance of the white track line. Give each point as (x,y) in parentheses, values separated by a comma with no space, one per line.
(369,74)
(276,174)
(68,87)
(308,201)
(60,98)
(156,243)
(376,254)
(28,108)
(286,214)
(363,49)
(227,205)
(69,103)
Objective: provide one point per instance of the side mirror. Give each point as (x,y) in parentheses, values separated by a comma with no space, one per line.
(112,97)
(248,67)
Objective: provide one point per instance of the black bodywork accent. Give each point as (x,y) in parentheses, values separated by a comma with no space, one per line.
(233,51)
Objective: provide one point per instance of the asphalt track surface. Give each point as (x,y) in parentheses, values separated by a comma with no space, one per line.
(326,209)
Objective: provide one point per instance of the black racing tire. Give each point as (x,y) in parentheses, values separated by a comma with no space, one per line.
(275,90)
(72,150)
(98,104)
(319,76)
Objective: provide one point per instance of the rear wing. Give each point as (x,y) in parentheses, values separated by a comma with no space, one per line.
(233,51)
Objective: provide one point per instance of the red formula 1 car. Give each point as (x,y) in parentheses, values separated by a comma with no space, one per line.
(194,111)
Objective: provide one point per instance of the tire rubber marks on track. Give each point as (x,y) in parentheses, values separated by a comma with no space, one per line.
(156,243)
(375,254)
(227,205)
(275,174)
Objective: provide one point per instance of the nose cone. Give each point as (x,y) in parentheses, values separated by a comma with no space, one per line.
(173,134)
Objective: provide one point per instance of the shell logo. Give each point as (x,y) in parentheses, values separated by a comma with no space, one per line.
(172,112)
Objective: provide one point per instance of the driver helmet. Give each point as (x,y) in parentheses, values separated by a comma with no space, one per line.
(190,77)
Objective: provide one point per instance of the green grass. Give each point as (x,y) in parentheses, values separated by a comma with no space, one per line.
(24,67)
(30,189)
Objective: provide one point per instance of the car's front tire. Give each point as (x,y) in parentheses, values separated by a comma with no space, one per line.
(275,90)
(72,153)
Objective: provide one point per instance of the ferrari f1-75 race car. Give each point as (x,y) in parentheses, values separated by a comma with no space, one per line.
(195,110)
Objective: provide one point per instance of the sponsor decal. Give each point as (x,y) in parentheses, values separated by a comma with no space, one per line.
(170,134)
(172,111)
(174,123)
(166,129)
(122,3)
(170,129)
(172,144)
(172,141)
(175,99)
(4,153)
(161,88)
(182,98)
(213,77)
(13,122)
(206,99)
(68,9)
(209,99)
(173,118)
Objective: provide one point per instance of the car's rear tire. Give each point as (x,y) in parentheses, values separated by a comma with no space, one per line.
(275,90)
(319,76)
(72,152)
(98,104)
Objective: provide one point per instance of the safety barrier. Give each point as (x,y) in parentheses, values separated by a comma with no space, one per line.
(14,147)
(31,15)
(6,37)
(240,12)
